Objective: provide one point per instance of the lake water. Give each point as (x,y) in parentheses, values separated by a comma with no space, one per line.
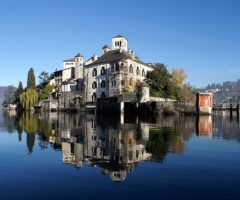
(83,156)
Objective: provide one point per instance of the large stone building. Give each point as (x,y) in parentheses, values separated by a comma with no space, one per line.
(118,70)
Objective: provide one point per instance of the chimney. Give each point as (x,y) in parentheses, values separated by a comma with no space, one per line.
(105,49)
(133,54)
(95,57)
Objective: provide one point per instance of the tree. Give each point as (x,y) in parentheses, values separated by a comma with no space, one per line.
(28,99)
(188,92)
(19,91)
(178,76)
(31,81)
(47,90)
(159,81)
(162,140)
(43,77)
(9,95)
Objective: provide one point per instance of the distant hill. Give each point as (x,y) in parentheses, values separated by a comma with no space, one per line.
(2,91)
(228,91)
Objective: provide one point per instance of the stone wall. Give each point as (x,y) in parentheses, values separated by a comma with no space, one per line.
(169,107)
(66,101)
(70,101)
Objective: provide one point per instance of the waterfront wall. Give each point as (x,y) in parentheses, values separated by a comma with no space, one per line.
(68,101)
(169,107)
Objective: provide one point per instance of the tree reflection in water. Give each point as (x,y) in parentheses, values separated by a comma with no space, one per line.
(106,142)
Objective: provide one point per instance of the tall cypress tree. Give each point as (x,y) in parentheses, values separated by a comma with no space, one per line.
(31,81)
(19,91)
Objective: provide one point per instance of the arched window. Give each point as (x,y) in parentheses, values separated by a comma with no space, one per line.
(137,71)
(103,71)
(112,68)
(94,72)
(117,67)
(103,84)
(131,68)
(122,66)
(143,73)
(94,97)
(103,95)
(94,85)
(114,82)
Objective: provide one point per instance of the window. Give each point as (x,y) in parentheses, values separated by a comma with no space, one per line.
(94,85)
(94,97)
(131,68)
(143,73)
(130,155)
(137,153)
(94,73)
(103,84)
(103,71)
(114,82)
(137,71)
(123,82)
(117,43)
(103,95)
(112,68)
(122,66)
(117,67)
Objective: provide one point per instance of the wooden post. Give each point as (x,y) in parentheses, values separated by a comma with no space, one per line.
(231,110)
(238,109)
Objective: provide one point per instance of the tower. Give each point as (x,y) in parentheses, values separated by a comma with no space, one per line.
(119,42)
(78,66)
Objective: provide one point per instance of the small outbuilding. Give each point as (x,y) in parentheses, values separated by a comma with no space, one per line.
(204,103)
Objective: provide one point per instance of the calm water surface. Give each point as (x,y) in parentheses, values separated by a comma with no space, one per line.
(64,156)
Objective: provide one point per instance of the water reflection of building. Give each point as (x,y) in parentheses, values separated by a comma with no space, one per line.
(104,141)
(226,127)
(204,126)
(111,145)
(116,150)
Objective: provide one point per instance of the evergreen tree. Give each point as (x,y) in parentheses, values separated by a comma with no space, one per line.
(19,91)
(31,81)
(159,81)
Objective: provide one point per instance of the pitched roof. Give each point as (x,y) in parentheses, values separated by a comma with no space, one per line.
(111,56)
(69,60)
(78,55)
(115,56)
(106,46)
(119,36)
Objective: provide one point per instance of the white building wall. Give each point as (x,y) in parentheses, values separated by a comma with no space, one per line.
(68,64)
(110,90)
(66,74)
(117,40)
(99,78)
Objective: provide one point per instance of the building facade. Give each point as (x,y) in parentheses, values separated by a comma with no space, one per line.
(118,70)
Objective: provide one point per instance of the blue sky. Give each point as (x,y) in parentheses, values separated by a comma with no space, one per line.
(202,36)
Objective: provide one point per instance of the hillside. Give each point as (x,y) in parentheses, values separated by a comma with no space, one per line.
(2,91)
(228,91)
